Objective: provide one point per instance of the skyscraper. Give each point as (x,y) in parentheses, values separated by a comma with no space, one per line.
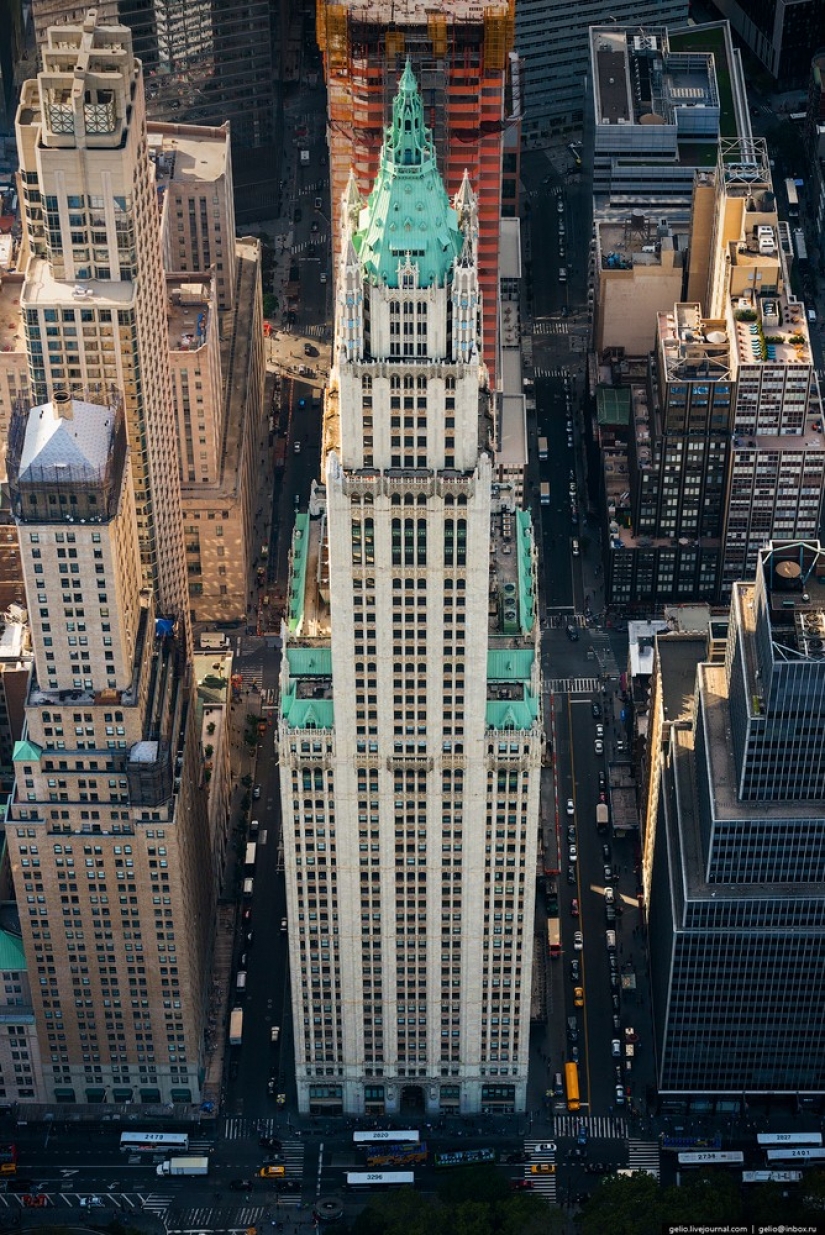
(552,41)
(105,829)
(94,279)
(734,856)
(203,62)
(410,733)
(469,82)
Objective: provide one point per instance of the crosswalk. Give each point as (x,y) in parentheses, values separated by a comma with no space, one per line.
(551,327)
(610,1127)
(315,239)
(237,1128)
(559,620)
(156,1203)
(644,1155)
(228,1217)
(542,1184)
(573,686)
(557,371)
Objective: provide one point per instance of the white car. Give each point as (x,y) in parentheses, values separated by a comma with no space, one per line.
(275,1033)
(598,746)
(616,1048)
(608,896)
(545,1147)
(599,731)
(571,810)
(91,1202)
(578,941)
(283,926)
(572,853)
(297,448)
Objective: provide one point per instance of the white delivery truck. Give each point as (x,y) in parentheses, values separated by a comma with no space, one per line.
(214,640)
(184,1166)
(236,1027)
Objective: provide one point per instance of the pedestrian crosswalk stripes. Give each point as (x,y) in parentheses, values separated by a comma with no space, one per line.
(156,1203)
(557,371)
(541,1183)
(551,327)
(644,1155)
(229,1218)
(574,686)
(201,1147)
(611,1127)
(558,620)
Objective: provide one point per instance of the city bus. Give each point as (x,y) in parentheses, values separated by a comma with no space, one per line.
(373,1138)
(712,1157)
(8,1159)
(380,1179)
(803,1153)
(771,1177)
(154,1142)
(465,1157)
(766,1140)
(793,198)
(406,1153)
(571,1080)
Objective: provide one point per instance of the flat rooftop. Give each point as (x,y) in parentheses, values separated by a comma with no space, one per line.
(12,335)
(184,153)
(188,310)
(613,98)
(693,346)
(679,655)
(779,334)
(42,288)
(402,13)
(636,242)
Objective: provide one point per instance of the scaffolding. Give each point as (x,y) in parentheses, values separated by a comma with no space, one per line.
(461,58)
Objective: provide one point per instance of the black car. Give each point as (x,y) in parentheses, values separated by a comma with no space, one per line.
(571,875)
(21,1185)
(240,1185)
(269,1142)
(602,780)
(605,853)
(520,1155)
(596,710)
(297,214)
(575,971)
(288,1185)
(573,634)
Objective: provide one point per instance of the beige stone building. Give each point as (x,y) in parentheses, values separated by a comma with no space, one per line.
(193,170)
(219,504)
(94,277)
(105,197)
(106,829)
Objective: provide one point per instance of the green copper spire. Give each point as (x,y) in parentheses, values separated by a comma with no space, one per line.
(408,217)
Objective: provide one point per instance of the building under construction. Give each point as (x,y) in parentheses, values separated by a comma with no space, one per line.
(462,56)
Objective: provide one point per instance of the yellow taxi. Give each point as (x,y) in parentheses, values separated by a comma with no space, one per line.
(272,1172)
(543,1168)
(578,996)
